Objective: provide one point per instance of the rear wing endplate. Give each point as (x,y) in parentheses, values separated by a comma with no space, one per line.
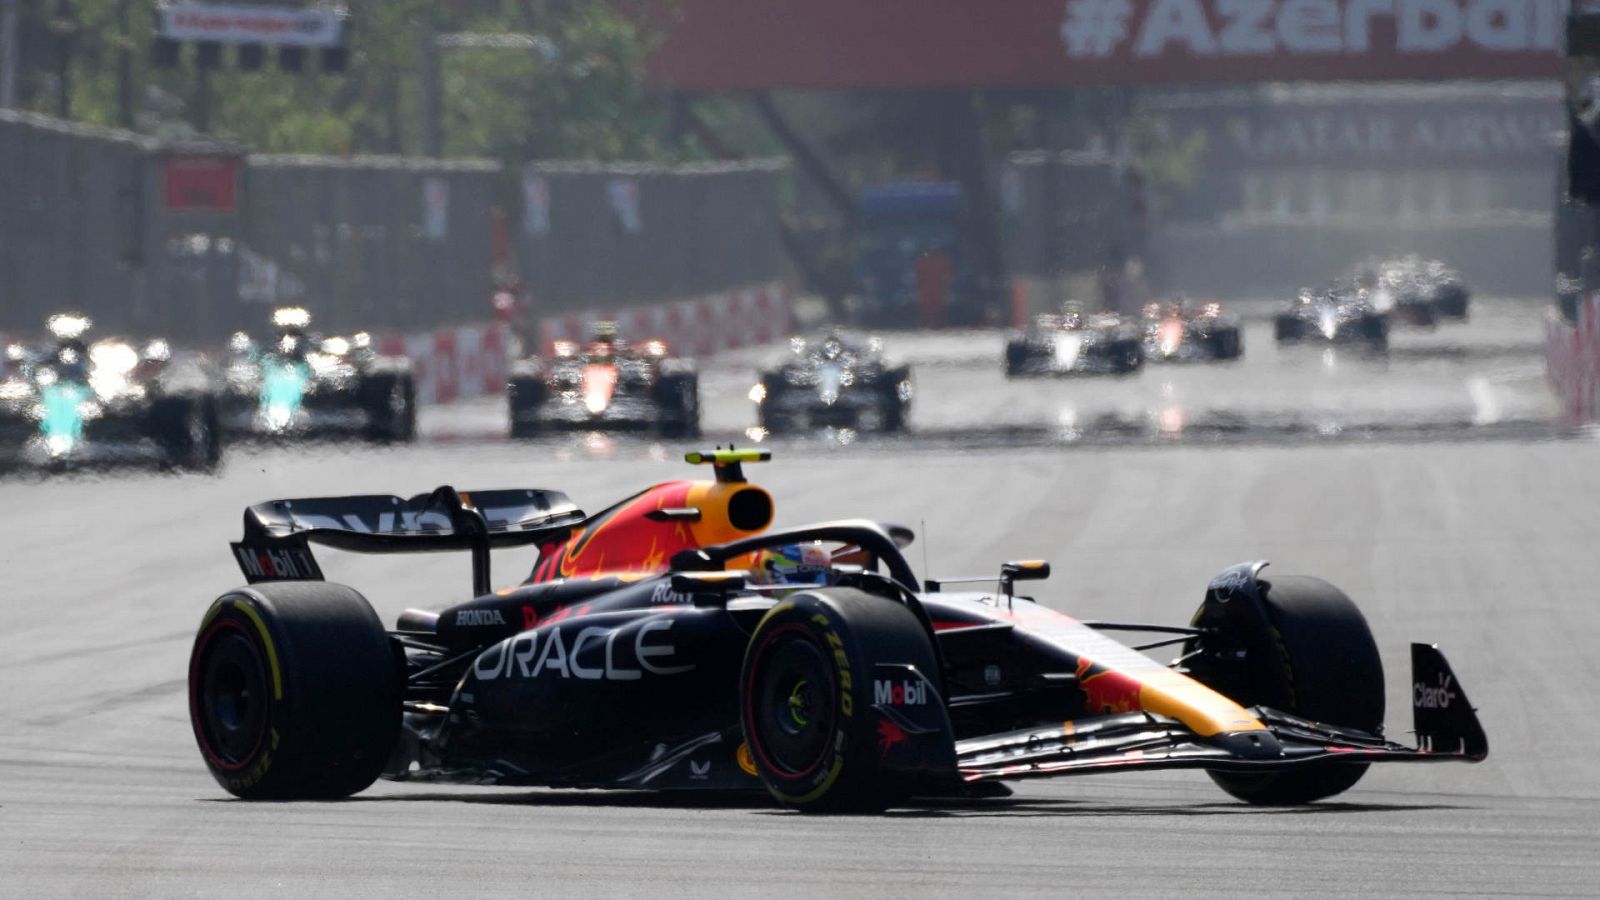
(278,533)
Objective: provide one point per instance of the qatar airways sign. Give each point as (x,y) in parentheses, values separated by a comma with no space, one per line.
(1244,29)
(733,45)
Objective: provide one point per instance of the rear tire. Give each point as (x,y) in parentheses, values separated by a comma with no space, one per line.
(391,402)
(1225,344)
(1324,666)
(1375,330)
(294,691)
(679,399)
(806,697)
(1453,302)
(1016,358)
(1286,328)
(1129,357)
(524,397)
(187,430)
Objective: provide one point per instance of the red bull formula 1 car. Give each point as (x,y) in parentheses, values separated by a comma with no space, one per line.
(673,641)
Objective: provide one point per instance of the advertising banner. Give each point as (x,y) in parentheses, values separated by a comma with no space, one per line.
(721,45)
(313,26)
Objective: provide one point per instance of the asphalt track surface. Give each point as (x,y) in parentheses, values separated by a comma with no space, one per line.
(1482,542)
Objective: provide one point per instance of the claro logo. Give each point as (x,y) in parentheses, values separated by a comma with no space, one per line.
(1098,29)
(1433,696)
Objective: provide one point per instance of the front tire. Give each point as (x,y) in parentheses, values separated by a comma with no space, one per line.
(294,691)
(806,697)
(1322,664)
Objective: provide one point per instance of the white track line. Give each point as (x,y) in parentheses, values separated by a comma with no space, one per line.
(1486,406)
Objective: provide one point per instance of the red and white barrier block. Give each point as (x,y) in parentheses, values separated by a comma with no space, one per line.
(455,363)
(1572,353)
(702,326)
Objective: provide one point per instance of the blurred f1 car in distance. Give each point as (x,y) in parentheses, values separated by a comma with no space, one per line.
(837,381)
(1177,331)
(76,401)
(607,384)
(1341,313)
(304,384)
(673,642)
(1076,343)
(1415,291)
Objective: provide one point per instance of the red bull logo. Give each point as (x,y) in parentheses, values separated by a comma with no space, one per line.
(889,734)
(1106,690)
(639,536)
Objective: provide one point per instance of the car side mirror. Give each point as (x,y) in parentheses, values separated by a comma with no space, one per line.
(1022,570)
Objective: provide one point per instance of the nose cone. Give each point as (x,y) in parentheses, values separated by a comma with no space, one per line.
(1329,323)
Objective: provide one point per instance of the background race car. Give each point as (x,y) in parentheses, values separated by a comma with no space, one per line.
(609,384)
(1415,291)
(1076,343)
(303,384)
(836,380)
(1176,331)
(1338,314)
(76,401)
(673,642)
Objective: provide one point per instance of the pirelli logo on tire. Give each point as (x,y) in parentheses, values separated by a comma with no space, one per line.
(841,660)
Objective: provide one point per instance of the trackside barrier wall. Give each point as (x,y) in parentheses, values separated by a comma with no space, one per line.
(390,245)
(596,236)
(473,360)
(1573,356)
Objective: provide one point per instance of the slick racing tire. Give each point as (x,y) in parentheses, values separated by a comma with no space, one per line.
(188,433)
(774,387)
(1375,331)
(294,691)
(1127,357)
(806,697)
(391,402)
(679,399)
(1016,358)
(1324,667)
(1452,302)
(1226,344)
(524,397)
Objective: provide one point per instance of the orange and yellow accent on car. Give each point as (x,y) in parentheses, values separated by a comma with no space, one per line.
(640,535)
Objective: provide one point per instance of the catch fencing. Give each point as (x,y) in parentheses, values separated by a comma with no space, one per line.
(195,241)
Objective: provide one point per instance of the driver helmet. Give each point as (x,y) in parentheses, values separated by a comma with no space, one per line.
(603,339)
(807,563)
(290,323)
(71,351)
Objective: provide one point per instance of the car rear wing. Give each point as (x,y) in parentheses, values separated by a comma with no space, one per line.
(278,533)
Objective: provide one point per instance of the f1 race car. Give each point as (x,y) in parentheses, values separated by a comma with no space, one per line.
(609,384)
(834,381)
(1415,291)
(304,384)
(672,641)
(1338,314)
(1075,343)
(1175,331)
(76,401)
